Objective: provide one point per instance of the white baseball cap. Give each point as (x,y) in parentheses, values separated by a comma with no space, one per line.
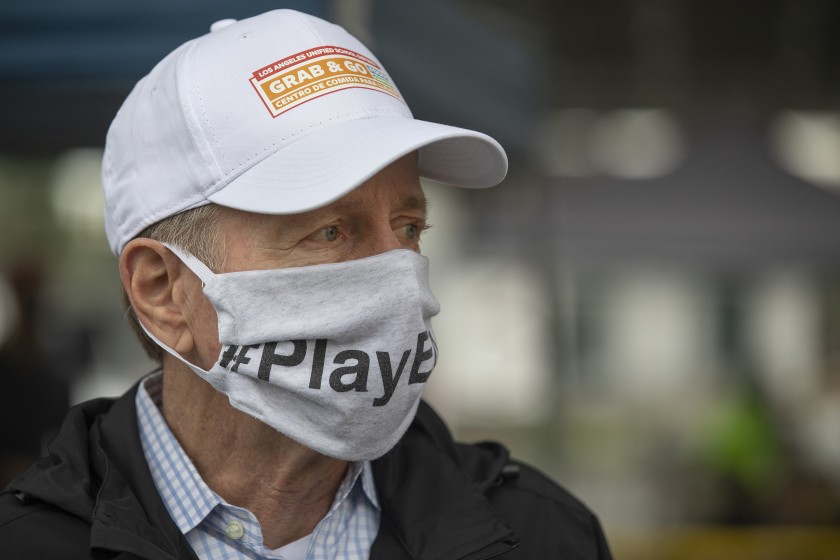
(275,114)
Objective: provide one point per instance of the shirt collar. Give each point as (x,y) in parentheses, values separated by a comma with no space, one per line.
(357,473)
(368,486)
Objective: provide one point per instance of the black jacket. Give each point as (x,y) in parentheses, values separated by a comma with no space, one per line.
(93,497)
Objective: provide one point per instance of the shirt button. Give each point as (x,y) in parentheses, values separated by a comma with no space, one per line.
(235,530)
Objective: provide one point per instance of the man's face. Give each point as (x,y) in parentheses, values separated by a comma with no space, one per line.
(386,212)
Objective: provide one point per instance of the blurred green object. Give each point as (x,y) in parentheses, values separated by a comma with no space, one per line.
(742,444)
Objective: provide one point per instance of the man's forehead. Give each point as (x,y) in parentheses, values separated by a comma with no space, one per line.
(416,201)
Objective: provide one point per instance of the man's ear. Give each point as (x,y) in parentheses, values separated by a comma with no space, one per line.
(153,278)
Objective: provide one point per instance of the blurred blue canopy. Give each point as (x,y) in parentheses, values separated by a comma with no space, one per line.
(65,67)
(94,45)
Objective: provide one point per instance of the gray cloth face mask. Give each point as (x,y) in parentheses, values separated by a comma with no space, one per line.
(334,356)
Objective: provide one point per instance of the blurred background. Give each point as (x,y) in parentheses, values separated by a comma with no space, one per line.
(648,308)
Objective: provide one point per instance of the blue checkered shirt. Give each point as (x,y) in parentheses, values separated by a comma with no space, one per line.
(218,530)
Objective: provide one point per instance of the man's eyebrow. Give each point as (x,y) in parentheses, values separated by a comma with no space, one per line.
(417,203)
(410,202)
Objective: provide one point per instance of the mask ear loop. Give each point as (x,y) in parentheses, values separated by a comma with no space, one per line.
(204,274)
(199,268)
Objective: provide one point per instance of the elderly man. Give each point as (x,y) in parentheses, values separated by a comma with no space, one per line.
(263,196)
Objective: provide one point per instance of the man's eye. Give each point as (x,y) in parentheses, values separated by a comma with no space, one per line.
(412,232)
(330,233)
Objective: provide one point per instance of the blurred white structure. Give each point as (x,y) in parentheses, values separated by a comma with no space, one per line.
(807,144)
(494,345)
(631,143)
(655,334)
(783,322)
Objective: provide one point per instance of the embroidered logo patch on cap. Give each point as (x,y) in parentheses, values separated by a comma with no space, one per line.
(294,80)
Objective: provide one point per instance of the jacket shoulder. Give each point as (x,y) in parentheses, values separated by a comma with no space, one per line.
(549,520)
(33,530)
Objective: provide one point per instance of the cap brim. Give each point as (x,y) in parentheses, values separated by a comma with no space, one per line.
(328,163)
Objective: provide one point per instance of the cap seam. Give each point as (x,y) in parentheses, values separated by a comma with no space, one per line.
(353,91)
(107,169)
(319,38)
(192,122)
